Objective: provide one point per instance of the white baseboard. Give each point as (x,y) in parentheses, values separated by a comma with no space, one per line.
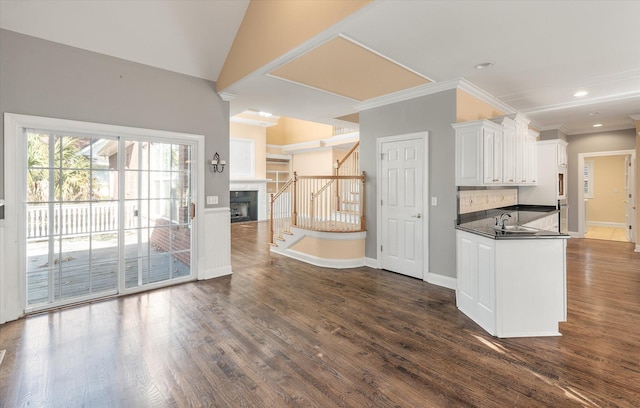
(321,262)
(575,234)
(606,224)
(215,272)
(441,280)
(371,263)
(637,248)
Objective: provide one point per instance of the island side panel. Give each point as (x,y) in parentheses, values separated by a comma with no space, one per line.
(530,286)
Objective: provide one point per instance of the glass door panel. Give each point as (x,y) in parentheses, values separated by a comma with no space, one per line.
(157,219)
(72,218)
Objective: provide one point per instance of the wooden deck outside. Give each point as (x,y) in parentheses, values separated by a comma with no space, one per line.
(75,275)
(279,332)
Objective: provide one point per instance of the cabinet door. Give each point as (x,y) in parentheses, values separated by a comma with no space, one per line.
(562,155)
(492,156)
(467,272)
(468,157)
(509,156)
(532,162)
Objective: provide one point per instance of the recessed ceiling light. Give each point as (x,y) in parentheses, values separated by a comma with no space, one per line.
(484,65)
(580,93)
(597,125)
(593,113)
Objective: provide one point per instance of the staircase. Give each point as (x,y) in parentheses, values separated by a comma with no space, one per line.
(321,219)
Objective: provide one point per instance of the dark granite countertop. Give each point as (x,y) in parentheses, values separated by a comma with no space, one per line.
(483,222)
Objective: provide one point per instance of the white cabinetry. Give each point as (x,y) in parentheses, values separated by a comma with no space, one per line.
(493,155)
(561,154)
(552,177)
(499,152)
(512,287)
(477,162)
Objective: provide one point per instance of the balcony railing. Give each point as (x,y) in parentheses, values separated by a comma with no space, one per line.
(76,219)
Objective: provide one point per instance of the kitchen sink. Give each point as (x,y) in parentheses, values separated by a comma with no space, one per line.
(517,229)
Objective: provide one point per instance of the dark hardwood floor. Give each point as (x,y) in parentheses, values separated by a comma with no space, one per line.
(279,332)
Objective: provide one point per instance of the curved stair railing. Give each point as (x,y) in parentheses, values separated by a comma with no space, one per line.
(321,203)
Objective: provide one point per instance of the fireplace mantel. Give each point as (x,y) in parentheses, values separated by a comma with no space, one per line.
(259,185)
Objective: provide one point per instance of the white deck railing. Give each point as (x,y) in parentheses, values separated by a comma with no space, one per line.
(76,219)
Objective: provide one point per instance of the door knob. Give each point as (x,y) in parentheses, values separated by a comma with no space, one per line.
(417,216)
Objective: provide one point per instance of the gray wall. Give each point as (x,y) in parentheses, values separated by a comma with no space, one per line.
(435,114)
(42,78)
(552,135)
(590,143)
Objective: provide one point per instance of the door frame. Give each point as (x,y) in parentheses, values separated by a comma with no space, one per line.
(12,277)
(424,136)
(580,172)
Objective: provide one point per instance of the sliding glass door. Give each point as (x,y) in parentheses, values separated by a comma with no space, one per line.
(104,215)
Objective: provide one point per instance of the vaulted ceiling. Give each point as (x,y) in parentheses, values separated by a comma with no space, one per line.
(541,52)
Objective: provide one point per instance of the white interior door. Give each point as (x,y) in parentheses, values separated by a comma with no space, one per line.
(401,206)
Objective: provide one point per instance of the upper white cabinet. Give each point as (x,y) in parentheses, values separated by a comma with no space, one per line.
(476,153)
(495,152)
(561,154)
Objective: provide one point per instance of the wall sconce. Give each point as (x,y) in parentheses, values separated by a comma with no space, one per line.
(217,165)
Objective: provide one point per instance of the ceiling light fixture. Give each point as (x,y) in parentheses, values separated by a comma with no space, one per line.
(598,125)
(579,94)
(484,65)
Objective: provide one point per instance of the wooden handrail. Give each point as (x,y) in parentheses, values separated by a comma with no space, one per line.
(346,156)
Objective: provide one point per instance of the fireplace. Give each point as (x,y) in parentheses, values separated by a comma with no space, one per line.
(244,206)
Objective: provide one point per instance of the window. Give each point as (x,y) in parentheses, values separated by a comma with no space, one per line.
(588,178)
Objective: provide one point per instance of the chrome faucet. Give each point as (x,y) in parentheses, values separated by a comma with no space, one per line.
(502,219)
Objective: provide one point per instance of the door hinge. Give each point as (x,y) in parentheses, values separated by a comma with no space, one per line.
(380,248)
(193,210)
(380,202)
(629,226)
(381,156)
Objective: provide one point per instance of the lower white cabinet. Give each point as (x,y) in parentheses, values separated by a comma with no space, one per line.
(512,287)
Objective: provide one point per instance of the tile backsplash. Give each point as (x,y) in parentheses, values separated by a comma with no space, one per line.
(479,200)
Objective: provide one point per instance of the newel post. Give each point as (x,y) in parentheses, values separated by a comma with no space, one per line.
(294,214)
(271,218)
(363,199)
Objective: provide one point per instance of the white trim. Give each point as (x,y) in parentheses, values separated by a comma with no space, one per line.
(2,269)
(636,250)
(425,195)
(316,145)
(227,96)
(584,102)
(635,117)
(433,88)
(371,263)
(580,172)
(321,262)
(575,234)
(606,224)
(331,236)
(441,280)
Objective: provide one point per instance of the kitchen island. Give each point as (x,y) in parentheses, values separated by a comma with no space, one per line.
(511,281)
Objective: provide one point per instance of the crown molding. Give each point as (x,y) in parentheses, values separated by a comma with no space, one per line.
(635,117)
(586,102)
(227,96)
(434,88)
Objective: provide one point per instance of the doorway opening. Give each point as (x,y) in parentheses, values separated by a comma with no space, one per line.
(606,207)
